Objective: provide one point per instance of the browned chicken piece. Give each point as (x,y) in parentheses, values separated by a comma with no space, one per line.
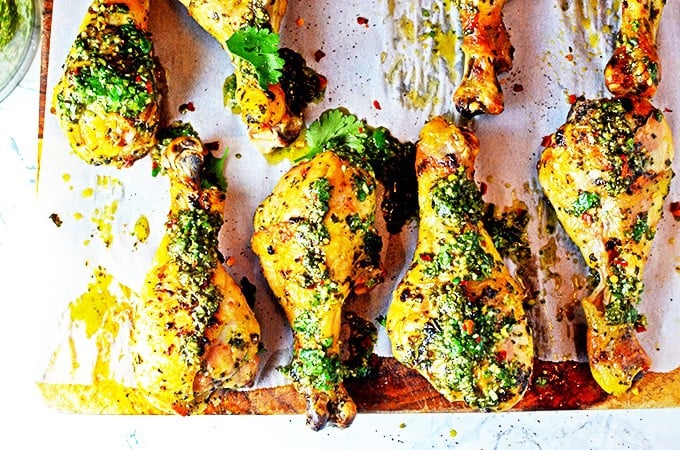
(273,114)
(457,316)
(193,331)
(107,101)
(487,53)
(634,68)
(317,243)
(607,172)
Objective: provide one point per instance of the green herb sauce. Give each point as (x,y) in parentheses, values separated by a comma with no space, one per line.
(465,333)
(193,236)
(9,20)
(457,199)
(112,66)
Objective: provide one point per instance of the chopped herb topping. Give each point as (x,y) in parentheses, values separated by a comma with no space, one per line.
(641,229)
(584,202)
(464,255)
(457,199)
(625,290)
(314,367)
(193,243)
(465,335)
(113,67)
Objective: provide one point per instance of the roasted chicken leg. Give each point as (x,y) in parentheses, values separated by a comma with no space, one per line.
(273,114)
(317,243)
(634,68)
(487,53)
(107,100)
(193,331)
(607,171)
(457,316)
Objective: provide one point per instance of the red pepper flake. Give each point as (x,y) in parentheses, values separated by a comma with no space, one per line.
(640,328)
(570,57)
(675,210)
(571,99)
(468,326)
(184,107)
(323,82)
(299,21)
(318,55)
(501,356)
(620,262)
(376,104)
(362,21)
(546,141)
(517,87)
(667,110)
(231,261)
(587,218)
(426,257)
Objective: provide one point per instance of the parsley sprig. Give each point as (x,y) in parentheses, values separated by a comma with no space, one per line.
(260,47)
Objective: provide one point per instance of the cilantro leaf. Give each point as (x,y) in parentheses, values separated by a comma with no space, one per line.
(335,128)
(213,171)
(260,47)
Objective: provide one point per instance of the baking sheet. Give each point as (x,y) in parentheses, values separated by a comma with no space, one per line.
(387,60)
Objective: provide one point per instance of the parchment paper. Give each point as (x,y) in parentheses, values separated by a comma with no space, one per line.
(380,61)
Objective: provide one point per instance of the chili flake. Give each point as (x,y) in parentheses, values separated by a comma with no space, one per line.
(318,55)
(675,210)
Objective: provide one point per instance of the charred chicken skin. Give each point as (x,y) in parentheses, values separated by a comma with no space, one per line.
(273,113)
(487,53)
(607,171)
(317,243)
(634,68)
(193,331)
(107,100)
(457,315)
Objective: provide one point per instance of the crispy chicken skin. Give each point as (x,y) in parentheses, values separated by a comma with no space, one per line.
(457,315)
(193,331)
(487,53)
(607,171)
(272,122)
(107,100)
(634,68)
(316,241)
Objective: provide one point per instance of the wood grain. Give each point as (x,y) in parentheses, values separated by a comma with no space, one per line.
(44,62)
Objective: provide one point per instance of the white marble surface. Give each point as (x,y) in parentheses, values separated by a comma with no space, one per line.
(28,423)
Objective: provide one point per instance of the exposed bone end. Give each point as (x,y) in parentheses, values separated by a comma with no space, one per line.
(634,71)
(334,408)
(479,92)
(617,360)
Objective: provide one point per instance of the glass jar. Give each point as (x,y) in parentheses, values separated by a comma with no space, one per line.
(19,39)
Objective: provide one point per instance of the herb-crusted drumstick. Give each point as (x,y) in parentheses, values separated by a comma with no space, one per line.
(192,330)
(107,100)
(457,315)
(271,86)
(607,171)
(487,53)
(316,241)
(634,68)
